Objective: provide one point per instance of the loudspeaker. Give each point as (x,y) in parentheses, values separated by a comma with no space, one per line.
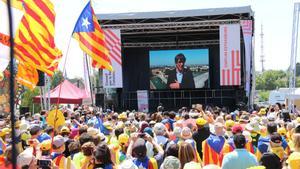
(99,99)
(24,110)
(41,81)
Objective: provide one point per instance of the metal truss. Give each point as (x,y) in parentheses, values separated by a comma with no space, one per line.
(162,31)
(171,44)
(170,25)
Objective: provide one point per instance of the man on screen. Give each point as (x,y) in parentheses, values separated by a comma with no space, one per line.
(181,77)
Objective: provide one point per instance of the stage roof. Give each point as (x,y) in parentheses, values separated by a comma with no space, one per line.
(181,28)
(177,13)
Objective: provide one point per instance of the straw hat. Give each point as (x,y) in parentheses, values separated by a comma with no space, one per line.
(186,133)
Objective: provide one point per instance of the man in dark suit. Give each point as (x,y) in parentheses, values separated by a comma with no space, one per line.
(181,77)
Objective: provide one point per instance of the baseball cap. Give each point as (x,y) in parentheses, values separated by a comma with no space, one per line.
(58,141)
(201,121)
(123,116)
(5,131)
(229,123)
(237,129)
(149,131)
(262,112)
(46,145)
(25,158)
(281,131)
(171,162)
(123,138)
(64,130)
(107,125)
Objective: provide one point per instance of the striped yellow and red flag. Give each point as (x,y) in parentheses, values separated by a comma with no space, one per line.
(34,41)
(91,38)
(27,76)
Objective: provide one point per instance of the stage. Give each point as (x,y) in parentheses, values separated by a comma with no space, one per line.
(144,32)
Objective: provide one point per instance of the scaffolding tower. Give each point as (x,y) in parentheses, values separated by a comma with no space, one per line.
(293,59)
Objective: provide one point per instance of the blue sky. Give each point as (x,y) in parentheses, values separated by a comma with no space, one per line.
(275,15)
(166,57)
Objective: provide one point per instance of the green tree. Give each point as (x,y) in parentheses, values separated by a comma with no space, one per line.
(57,79)
(27,100)
(271,79)
(263,96)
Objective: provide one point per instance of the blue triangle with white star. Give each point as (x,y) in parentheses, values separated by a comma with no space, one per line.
(85,20)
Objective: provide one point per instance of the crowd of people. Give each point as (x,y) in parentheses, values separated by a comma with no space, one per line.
(187,139)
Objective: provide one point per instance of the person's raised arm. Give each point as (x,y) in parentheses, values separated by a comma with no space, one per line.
(156,146)
(133,138)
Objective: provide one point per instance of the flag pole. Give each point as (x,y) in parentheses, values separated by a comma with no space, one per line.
(12,86)
(88,72)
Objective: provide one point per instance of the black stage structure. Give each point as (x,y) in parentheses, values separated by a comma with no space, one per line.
(187,29)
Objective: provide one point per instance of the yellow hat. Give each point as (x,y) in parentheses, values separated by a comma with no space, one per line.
(46,145)
(123,138)
(298,119)
(201,121)
(262,112)
(4,131)
(122,116)
(107,125)
(64,130)
(229,123)
(282,131)
(25,136)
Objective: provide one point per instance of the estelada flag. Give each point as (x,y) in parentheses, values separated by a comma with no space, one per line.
(91,38)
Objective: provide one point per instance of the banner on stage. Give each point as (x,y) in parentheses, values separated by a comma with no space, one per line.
(247,27)
(113,41)
(230,59)
(142,97)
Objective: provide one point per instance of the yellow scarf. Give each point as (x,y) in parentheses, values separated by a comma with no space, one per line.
(279,151)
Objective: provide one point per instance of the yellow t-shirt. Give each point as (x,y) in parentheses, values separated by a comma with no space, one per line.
(294,160)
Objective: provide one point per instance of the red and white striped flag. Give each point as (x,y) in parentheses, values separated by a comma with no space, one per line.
(113,43)
(230,56)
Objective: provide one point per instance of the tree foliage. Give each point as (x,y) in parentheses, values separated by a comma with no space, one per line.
(271,79)
(57,79)
(263,96)
(27,100)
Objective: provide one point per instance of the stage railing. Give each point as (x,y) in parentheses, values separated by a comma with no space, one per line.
(178,98)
